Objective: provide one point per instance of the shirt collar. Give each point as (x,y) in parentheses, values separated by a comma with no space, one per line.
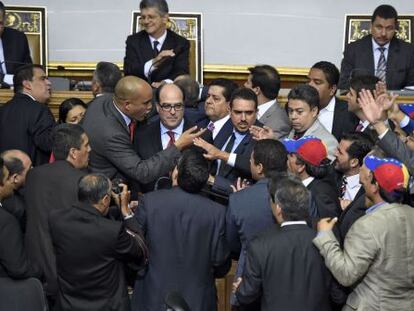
(220,123)
(307,181)
(177,130)
(30,95)
(264,107)
(353,181)
(374,207)
(297,222)
(376,46)
(160,40)
(331,106)
(124,116)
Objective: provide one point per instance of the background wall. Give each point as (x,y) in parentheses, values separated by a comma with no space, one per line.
(281,33)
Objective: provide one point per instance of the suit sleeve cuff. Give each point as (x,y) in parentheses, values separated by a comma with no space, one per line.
(8,79)
(147,67)
(232,159)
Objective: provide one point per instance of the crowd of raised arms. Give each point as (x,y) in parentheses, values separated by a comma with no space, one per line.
(143,197)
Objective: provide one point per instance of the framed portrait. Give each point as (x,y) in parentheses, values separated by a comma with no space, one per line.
(189,26)
(32,21)
(358,26)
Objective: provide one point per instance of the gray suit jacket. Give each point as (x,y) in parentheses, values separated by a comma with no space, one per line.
(395,148)
(276,118)
(112,151)
(378,258)
(319,131)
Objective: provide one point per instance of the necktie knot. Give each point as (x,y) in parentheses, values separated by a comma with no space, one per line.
(171,134)
(381,49)
(211,126)
(155,48)
(343,187)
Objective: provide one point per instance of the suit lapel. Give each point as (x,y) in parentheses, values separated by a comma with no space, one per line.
(392,61)
(224,134)
(116,114)
(268,113)
(239,150)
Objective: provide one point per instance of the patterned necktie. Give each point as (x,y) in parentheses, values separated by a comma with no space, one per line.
(359,127)
(211,126)
(342,190)
(382,65)
(155,49)
(172,138)
(132,125)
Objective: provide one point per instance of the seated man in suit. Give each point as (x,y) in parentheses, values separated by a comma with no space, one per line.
(249,211)
(380,53)
(233,157)
(156,53)
(333,113)
(217,108)
(283,268)
(264,80)
(378,250)
(157,136)
(349,157)
(308,160)
(93,277)
(26,122)
(14,262)
(52,186)
(185,235)
(110,125)
(18,163)
(105,77)
(14,50)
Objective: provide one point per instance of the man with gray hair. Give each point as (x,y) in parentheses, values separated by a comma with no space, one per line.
(156,53)
(284,258)
(91,250)
(105,77)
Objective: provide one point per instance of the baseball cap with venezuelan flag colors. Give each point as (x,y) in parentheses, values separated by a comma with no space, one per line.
(310,148)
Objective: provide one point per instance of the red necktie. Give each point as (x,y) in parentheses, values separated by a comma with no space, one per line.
(172,138)
(132,125)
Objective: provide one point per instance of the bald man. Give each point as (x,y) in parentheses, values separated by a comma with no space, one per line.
(109,124)
(18,163)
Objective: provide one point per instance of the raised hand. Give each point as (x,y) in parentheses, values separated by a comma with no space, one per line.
(260,133)
(186,139)
(213,153)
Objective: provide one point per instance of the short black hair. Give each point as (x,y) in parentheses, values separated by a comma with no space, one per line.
(13,164)
(330,71)
(24,73)
(160,5)
(363,81)
(107,75)
(293,198)
(229,86)
(92,188)
(190,89)
(267,78)
(67,106)
(65,137)
(385,11)
(271,154)
(361,145)
(192,171)
(244,93)
(317,171)
(306,93)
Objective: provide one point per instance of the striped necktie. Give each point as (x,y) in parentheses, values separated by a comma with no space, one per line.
(382,65)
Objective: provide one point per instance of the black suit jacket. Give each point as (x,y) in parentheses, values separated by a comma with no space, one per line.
(344,121)
(325,195)
(113,153)
(48,187)
(358,56)
(26,125)
(139,51)
(286,271)
(187,247)
(147,143)
(14,262)
(90,254)
(16,49)
(16,206)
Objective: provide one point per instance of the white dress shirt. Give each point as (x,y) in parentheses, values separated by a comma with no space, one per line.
(377,52)
(296,222)
(165,138)
(307,181)
(264,107)
(148,64)
(218,125)
(352,187)
(326,115)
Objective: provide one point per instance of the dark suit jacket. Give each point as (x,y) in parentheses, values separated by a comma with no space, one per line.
(26,125)
(187,247)
(358,55)
(286,271)
(90,254)
(325,196)
(222,135)
(14,262)
(147,143)
(48,187)
(16,49)
(16,206)
(139,51)
(343,121)
(113,153)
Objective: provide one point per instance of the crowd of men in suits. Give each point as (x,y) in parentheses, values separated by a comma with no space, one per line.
(163,183)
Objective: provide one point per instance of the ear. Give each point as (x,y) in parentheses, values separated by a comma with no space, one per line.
(260,168)
(301,168)
(27,84)
(257,90)
(73,153)
(158,108)
(15,178)
(314,111)
(354,162)
(228,107)
(333,90)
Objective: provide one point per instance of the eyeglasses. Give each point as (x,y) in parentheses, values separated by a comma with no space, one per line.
(168,107)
